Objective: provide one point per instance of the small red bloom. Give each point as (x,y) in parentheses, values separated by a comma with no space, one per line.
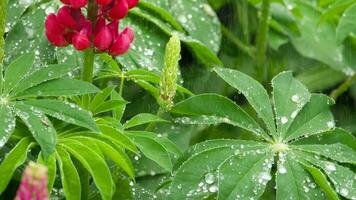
(119,10)
(132,3)
(81,41)
(103,39)
(65,16)
(103,2)
(122,43)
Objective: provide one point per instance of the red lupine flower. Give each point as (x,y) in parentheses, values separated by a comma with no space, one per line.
(66,17)
(81,41)
(123,42)
(119,10)
(132,3)
(70,26)
(103,2)
(103,39)
(33,184)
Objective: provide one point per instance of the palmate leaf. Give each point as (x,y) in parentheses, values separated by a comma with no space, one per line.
(22,80)
(309,166)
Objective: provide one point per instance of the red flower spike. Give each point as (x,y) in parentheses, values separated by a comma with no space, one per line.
(81,41)
(103,39)
(78,3)
(132,3)
(65,17)
(120,10)
(120,46)
(53,26)
(103,2)
(129,33)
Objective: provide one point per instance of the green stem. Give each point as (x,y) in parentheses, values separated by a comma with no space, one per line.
(88,68)
(122,82)
(3,13)
(236,41)
(152,125)
(261,42)
(245,21)
(343,87)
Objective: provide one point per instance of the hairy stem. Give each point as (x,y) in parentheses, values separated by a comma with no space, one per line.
(343,87)
(152,125)
(261,43)
(245,21)
(122,82)
(238,43)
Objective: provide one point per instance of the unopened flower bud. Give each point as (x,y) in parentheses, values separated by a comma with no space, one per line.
(103,39)
(119,10)
(168,83)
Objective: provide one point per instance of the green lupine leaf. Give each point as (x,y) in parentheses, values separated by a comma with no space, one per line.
(313,119)
(118,137)
(347,24)
(109,106)
(247,179)
(51,164)
(190,178)
(115,154)
(289,97)
(336,7)
(60,87)
(119,111)
(142,118)
(294,182)
(337,152)
(339,175)
(17,70)
(322,181)
(95,165)
(7,124)
(214,109)
(152,150)
(100,97)
(253,91)
(42,75)
(69,175)
(16,157)
(40,127)
(64,111)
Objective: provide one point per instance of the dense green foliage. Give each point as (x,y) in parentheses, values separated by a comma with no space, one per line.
(216,99)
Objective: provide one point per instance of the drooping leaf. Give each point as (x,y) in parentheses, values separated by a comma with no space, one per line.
(118,137)
(95,165)
(51,164)
(69,175)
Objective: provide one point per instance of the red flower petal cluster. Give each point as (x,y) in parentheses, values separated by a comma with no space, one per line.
(70,26)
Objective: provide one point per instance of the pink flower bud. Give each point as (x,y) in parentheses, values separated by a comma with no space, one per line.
(121,45)
(81,41)
(103,39)
(33,184)
(129,33)
(78,3)
(103,2)
(114,28)
(132,3)
(100,23)
(119,10)
(65,17)
(56,40)
(53,26)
